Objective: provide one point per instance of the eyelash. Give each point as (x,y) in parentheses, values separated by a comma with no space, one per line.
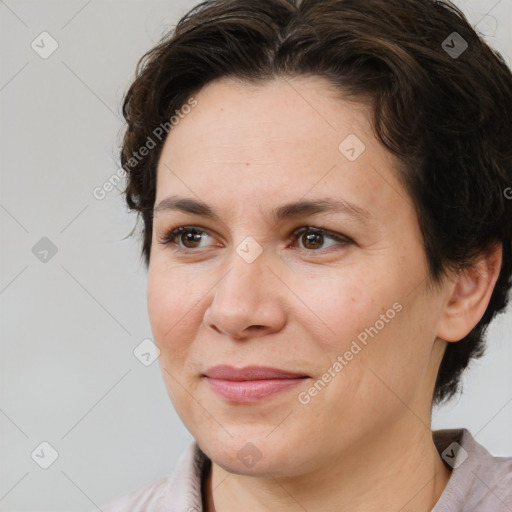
(168,238)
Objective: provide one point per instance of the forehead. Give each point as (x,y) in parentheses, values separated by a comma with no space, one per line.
(274,142)
(269,119)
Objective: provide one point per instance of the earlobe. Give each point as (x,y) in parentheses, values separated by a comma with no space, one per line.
(469,295)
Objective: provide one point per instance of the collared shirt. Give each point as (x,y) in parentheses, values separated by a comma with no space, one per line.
(479,482)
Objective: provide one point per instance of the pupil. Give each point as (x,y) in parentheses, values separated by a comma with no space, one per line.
(311,240)
(191,238)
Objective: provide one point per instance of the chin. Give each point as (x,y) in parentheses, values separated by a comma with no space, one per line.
(254,455)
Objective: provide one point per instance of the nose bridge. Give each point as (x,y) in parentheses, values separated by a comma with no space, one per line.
(240,298)
(246,267)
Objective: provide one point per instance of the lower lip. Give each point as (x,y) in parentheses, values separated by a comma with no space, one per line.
(247,391)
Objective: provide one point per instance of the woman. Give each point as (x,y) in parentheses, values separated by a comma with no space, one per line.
(323,186)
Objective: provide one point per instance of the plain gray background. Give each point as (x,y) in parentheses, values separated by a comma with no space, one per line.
(69,324)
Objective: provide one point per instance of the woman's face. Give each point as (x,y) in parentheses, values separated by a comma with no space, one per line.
(345,313)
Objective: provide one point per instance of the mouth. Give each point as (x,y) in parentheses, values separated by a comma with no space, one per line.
(250,384)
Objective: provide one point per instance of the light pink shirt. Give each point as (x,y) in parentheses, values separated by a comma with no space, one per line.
(479,481)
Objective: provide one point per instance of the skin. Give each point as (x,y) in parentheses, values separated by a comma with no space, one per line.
(364,442)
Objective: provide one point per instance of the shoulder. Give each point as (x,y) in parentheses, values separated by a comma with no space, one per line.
(492,484)
(480,481)
(180,486)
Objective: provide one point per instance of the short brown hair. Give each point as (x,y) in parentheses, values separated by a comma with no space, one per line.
(441,98)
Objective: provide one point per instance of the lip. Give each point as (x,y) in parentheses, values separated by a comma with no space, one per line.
(251,383)
(226,372)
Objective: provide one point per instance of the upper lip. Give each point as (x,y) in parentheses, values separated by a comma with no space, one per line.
(225,372)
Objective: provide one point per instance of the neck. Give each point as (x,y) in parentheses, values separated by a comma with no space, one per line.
(383,473)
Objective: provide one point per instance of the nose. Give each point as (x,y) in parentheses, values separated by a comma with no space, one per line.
(248,301)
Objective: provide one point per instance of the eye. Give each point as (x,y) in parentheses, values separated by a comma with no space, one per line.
(190,236)
(312,238)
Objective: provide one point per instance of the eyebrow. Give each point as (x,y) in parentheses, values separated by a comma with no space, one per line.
(289,210)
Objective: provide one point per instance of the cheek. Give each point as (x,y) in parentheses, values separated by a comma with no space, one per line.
(365,324)
(171,298)
(339,305)
(173,322)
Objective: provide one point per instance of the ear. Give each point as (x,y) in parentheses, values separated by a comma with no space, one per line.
(469,294)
